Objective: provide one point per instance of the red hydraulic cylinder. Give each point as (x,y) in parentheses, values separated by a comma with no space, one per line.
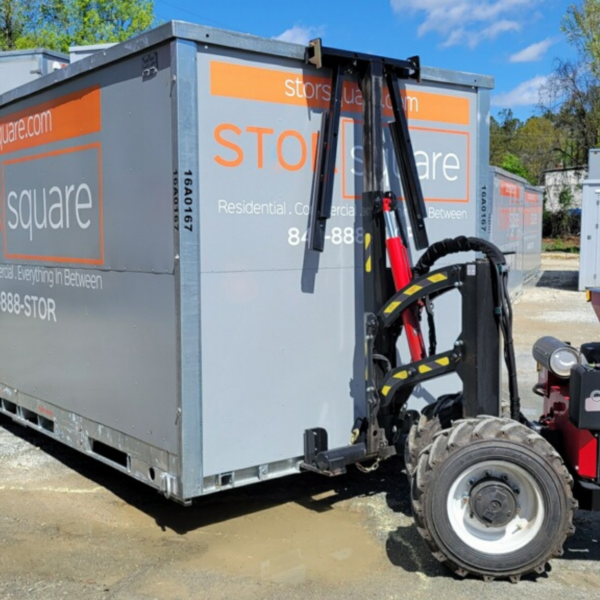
(402,273)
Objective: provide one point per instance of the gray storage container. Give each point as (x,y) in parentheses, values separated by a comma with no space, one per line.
(159,308)
(533,208)
(594,164)
(505,222)
(589,257)
(18,67)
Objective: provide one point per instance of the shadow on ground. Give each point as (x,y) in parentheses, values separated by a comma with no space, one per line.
(559,280)
(314,492)
(404,546)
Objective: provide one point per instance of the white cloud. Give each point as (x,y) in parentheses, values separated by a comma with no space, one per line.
(525,94)
(533,52)
(299,35)
(467,22)
(473,39)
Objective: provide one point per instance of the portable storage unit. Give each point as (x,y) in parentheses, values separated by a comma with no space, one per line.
(589,257)
(159,307)
(533,209)
(505,223)
(18,67)
(80,52)
(514,224)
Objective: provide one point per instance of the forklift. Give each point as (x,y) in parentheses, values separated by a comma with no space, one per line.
(493,495)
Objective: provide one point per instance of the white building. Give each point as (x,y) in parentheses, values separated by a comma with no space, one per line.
(557,180)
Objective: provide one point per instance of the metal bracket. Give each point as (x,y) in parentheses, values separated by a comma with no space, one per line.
(326,157)
(417,372)
(431,284)
(368,66)
(319,459)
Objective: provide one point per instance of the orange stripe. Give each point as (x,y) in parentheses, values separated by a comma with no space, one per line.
(532,197)
(66,117)
(299,89)
(510,190)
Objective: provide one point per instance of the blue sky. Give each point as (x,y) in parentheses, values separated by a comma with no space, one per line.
(515,41)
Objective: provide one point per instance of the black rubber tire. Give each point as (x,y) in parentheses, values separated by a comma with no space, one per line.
(483,439)
(421,434)
(430,422)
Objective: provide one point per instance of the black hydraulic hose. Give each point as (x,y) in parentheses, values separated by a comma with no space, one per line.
(452,246)
(504,314)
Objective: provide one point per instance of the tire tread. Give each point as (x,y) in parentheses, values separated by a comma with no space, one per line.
(462,434)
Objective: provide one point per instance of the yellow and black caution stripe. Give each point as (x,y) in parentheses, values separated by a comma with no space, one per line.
(368,253)
(414,373)
(419,288)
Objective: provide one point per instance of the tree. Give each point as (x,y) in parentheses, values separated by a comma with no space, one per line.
(513,164)
(502,135)
(11,23)
(58,24)
(572,94)
(572,101)
(581,25)
(535,144)
(580,112)
(532,144)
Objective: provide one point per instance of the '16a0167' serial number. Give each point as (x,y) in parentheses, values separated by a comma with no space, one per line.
(36,307)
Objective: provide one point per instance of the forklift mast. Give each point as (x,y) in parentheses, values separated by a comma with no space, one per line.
(388,311)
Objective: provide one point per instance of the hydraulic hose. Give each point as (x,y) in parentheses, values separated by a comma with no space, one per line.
(503,310)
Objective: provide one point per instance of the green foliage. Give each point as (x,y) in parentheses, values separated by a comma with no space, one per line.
(535,145)
(533,142)
(12,23)
(574,99)
(581,25)
(513,164)
(58,24)
(563,222)
(570,246)
(565,198)
(569,123)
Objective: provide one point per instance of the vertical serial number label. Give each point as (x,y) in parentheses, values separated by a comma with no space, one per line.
(188,200)
(176,200)
(484,217)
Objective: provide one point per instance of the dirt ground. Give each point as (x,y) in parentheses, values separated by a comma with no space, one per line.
(70,527)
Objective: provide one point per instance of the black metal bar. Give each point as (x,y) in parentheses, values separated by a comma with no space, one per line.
(407,165)
(325,168)
(315,441)
(375,281)
(433,283)
(480,339)
(587,494)
(336,459)
(321,56)
(341,61)
(319,458)
(418,372)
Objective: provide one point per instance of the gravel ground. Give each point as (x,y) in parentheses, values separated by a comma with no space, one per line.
(70,527)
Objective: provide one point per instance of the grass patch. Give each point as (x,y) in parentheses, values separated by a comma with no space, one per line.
(569,244)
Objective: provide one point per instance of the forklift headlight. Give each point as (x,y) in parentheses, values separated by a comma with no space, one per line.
(556,356)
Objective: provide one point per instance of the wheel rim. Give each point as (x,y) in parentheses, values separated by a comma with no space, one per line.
(515,534)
